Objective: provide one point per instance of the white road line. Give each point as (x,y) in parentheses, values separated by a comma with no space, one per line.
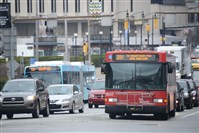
(190,115)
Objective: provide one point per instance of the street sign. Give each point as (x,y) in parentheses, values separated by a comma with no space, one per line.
(32,61)
(5,15)
(13,64)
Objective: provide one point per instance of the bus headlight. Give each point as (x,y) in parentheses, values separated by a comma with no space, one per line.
(112,100)
(158,100)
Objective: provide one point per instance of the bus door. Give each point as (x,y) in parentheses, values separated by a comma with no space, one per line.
(139,99)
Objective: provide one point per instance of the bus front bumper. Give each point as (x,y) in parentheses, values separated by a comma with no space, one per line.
(135,109)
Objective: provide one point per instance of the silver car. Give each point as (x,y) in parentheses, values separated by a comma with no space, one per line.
(65,97)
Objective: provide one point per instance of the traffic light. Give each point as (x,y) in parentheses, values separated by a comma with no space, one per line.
(85,48)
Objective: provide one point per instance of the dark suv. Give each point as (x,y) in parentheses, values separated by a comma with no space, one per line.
(24,96)
(188,92)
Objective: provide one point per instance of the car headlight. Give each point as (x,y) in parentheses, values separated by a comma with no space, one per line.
(91,95)
(112,100)
(65,100)
(30,98)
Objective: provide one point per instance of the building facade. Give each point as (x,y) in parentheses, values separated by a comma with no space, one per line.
(150,23)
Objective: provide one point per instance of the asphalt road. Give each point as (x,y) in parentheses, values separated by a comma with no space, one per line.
(95,120)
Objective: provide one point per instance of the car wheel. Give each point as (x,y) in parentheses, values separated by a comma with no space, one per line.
(112,116)
(51,112)
(9,116)
(46,111)
(96,106)
(0,116)
(178,108)
(196,104)
(35,113)
(182,108)
(72,108)
(81,110)
(90,105)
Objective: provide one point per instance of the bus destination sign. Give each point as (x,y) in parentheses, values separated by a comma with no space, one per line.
(135,57)
(44,68)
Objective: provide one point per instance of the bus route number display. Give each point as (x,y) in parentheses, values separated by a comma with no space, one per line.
(135,57)
(44,68)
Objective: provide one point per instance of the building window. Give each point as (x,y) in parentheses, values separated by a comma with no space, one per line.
(53,6)
(112,6)
(5,1)
(29,6)
(17,6)
(169,2)
(65,6)
(77,5)
(41,6)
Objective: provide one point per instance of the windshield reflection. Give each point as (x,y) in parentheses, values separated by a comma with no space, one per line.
(135,76)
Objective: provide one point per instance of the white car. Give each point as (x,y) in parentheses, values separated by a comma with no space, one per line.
(65,97)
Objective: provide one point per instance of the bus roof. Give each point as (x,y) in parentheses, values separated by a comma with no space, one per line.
(44,63)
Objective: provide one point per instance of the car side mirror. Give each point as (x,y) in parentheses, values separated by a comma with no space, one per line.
(170,68)
(88,88)
(103,66)
(75,92)
(41,89)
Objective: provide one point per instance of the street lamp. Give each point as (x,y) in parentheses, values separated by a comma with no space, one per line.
(136,32)
(75,35)
(120,32)
(101,33)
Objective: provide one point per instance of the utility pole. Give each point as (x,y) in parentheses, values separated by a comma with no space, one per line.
(141,30)
(36,33)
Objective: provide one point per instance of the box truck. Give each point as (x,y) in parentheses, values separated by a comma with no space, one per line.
(183,60)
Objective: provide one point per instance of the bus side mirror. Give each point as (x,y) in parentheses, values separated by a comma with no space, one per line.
(103,68)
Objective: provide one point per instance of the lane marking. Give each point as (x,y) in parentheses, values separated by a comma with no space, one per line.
(190,114)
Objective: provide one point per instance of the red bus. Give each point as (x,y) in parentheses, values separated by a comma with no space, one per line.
(139,82)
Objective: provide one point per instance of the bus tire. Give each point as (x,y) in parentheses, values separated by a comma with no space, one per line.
(112,116)
(96,106)
(172,113)
(161,116)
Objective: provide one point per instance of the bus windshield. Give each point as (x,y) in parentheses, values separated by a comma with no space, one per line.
(47,77)
(135,76)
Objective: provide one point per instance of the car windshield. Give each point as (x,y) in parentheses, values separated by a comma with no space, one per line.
(191,84)
(60,90)
(197,83)
(195,53)
(183,84)
(19,86)
(99,85)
